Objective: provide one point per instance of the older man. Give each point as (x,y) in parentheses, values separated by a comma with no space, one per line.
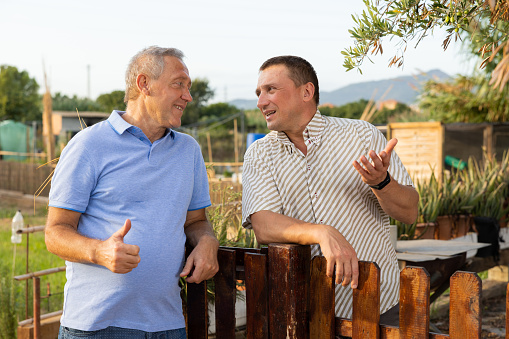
(125,196)
(305,183)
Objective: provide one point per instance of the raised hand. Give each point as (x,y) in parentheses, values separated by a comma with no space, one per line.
(116,255)
(374,172)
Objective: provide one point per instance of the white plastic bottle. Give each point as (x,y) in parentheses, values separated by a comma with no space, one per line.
(17,224)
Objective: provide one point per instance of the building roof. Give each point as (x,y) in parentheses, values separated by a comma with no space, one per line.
(71,114)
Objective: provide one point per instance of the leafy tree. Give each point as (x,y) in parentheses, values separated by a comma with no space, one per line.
(483,22)
(354,110)
(351,110)
(201,93)
(18,95)
(111,101)
(66,103)
(465,99)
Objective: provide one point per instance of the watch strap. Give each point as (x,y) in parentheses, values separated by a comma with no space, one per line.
(384,183)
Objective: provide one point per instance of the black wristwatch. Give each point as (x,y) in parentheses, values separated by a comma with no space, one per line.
(384,183)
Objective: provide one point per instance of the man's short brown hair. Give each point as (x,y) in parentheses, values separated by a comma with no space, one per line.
(300,71)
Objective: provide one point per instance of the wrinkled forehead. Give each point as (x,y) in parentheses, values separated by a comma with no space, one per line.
(176,67)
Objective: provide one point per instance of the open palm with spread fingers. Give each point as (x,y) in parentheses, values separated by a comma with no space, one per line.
(375,171)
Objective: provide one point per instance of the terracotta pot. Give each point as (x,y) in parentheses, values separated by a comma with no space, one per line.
(462,225)
(503,221)
(424,230)
(445,225)
(505,218)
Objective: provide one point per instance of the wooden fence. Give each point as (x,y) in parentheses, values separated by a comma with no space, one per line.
(29,178)
(289,296)
(24,177)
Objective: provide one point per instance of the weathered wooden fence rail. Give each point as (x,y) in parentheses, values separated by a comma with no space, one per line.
(289,296)
(25,177)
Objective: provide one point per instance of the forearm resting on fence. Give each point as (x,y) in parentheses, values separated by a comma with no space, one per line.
(273,227)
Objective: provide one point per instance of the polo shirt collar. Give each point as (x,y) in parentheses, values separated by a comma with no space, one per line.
(119,125)
(312,133)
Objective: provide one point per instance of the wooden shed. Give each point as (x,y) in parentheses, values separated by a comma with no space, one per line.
(423,146)
(420,146)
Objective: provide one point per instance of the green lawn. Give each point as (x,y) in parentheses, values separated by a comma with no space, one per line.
(13,263)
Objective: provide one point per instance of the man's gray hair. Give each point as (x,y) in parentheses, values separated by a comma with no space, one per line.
(149,61)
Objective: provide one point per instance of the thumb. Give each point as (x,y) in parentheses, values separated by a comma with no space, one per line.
(121,233)
(187,267)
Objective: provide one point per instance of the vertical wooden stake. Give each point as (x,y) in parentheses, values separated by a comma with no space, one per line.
(366,302)
(322,304)
(257,290)
(465,318)
(289,291)
(414,303)
(209,145)
(225,294)
(37,307)
(236,146)
(507,312)
(197,311)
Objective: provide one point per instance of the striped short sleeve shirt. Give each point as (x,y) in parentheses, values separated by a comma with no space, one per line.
(323,187)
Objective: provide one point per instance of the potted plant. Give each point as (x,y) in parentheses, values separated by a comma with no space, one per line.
(487,212)
(429,203)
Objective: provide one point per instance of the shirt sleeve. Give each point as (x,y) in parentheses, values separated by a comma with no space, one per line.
(201,196)
(259,190)
(74,178)
(397,170)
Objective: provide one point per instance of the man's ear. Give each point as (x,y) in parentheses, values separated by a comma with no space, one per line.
(308,91)
(142,83)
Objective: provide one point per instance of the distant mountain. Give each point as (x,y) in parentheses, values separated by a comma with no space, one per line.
(244,103)
(404,89)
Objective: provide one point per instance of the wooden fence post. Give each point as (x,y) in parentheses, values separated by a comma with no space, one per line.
(507,312)
(226,293)
(414,297)
(37,307)
(289,291)
(197,311)
(366,302)
(321,305)
(465,319)
(257,291)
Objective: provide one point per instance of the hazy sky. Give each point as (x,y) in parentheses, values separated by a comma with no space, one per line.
(224,41)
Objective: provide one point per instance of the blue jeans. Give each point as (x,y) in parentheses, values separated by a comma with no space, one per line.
(120,333)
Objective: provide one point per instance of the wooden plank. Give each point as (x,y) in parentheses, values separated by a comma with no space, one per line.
(366,302)
(507,312)
(414,294)
(405,125)
(465,306)
(322,304)
(389,332)
(343,327)
(226,292)
(197,311)
(289,291)
(239,259)
(37,307)
(257,291)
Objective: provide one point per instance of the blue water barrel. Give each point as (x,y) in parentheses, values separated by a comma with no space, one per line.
(252,137)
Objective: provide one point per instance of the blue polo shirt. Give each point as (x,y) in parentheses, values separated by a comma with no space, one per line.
(111,172)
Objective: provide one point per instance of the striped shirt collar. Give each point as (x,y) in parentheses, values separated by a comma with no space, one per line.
(312,133)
